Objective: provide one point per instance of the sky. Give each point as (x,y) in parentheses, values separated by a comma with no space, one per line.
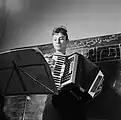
(30,22)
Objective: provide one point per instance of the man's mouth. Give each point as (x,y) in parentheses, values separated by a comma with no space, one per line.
(58,45)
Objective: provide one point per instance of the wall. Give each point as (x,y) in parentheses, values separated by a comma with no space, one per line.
(31,22)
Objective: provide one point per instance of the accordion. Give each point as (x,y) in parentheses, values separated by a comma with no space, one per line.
(78,70)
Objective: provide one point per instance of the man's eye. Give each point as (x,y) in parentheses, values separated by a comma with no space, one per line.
(61,38)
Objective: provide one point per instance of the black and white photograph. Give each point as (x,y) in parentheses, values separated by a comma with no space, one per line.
(60,60)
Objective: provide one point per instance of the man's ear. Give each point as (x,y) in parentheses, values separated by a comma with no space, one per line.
(67,42)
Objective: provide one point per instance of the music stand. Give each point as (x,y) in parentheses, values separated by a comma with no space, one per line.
(25,72)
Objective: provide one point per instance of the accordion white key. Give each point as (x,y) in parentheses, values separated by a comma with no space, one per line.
(70,69)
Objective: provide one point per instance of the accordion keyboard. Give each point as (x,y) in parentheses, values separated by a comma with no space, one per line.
(58,71)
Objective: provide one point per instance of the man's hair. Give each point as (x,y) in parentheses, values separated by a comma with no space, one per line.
(62,30)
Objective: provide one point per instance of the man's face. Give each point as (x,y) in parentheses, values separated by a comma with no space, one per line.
(59,42)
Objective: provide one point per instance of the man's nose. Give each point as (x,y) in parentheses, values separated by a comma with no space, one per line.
(58,40)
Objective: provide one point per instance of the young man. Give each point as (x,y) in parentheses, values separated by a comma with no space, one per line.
(60,42)
(66,106)
(52,107)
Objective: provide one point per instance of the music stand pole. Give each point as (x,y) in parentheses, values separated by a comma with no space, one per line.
(25,107)
(24,112)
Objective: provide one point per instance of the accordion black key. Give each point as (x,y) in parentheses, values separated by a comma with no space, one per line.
(77,70)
